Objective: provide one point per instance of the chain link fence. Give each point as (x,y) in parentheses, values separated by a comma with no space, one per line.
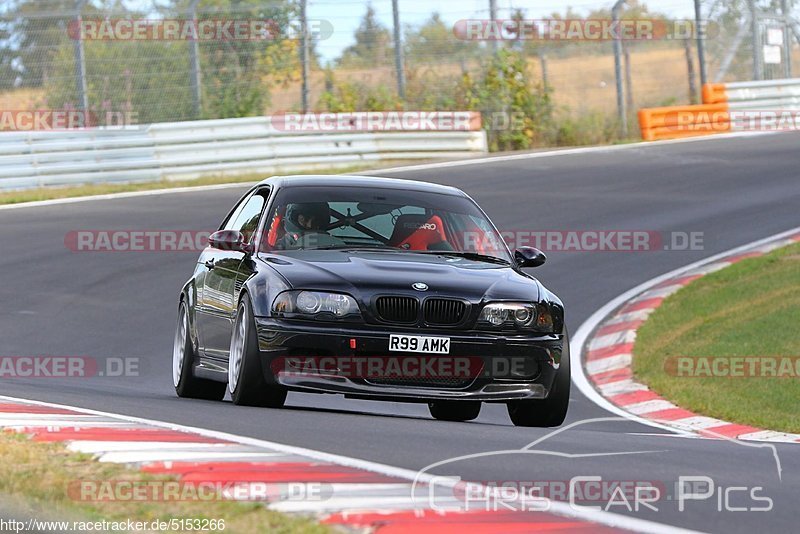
(173,60)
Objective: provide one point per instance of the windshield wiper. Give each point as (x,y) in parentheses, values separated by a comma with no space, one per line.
(455,253)
(355,247)
(467,255)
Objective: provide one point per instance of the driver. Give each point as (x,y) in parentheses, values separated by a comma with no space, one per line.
(307,222)
(308,217)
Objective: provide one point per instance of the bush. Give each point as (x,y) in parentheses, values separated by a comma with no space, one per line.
(590,128)
(356,96)
(517,112)
(505,87)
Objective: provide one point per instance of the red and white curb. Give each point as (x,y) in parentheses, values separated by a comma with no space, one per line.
(361,495)
(607,360)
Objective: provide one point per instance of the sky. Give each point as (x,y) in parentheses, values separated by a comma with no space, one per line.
(345,15)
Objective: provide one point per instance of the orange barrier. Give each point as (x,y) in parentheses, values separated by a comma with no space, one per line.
(714,93)
(771,105)
(675,122)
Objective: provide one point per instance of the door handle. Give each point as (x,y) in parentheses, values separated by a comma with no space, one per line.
(209,264)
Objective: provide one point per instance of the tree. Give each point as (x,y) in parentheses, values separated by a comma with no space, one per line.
(373,44)
(434,42)
(151,77)
(33,31)
(504,91)
(354,96)
(8,74)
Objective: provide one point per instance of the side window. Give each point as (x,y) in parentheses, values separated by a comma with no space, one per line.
(228,223)
(246,219)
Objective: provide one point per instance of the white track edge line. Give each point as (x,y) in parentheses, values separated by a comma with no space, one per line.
(565,152)
(579,377)
(374,172)
(127,194)
(557,508)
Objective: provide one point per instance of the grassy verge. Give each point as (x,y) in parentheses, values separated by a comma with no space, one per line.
(51,193)
(40,475)
(749,309)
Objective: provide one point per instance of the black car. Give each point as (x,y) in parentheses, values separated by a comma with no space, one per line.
(374,288)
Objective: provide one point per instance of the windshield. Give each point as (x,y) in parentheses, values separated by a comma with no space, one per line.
(308,218)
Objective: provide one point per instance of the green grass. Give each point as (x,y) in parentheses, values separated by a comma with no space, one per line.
(751,308)
(38,476)
(51,193)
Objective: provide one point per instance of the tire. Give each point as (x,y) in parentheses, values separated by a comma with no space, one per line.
(186,384)
(454,410)
(549,412)
(246,382)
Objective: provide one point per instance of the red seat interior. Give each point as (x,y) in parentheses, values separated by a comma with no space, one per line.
(417,232)
(276,230)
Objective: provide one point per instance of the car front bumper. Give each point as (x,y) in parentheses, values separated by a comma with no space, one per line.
(491,357)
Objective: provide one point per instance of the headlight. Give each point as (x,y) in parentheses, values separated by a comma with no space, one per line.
(524,315)
(315,304)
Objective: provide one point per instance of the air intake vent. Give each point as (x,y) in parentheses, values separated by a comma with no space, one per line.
(452,382)
(444,311)
(397,309)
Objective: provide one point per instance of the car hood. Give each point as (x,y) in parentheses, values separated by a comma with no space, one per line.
(365,274)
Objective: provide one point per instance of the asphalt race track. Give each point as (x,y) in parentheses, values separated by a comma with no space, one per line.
(123,304)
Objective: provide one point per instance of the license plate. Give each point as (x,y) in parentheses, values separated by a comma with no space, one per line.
(426,344)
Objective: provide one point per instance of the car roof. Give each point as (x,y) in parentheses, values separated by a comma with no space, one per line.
(342,180)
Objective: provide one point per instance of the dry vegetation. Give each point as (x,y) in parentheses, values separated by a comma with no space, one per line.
(39,476)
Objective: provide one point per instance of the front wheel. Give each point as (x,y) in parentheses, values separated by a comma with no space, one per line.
(454,410)
(186,384)
(549,412)
(246,382)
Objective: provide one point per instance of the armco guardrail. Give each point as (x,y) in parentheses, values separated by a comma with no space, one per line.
(762,95)
(186,150)
(726,107)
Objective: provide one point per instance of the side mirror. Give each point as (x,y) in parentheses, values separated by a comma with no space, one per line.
(529,257)
(229,240)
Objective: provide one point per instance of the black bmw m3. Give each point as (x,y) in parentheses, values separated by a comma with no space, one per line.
(373,288)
